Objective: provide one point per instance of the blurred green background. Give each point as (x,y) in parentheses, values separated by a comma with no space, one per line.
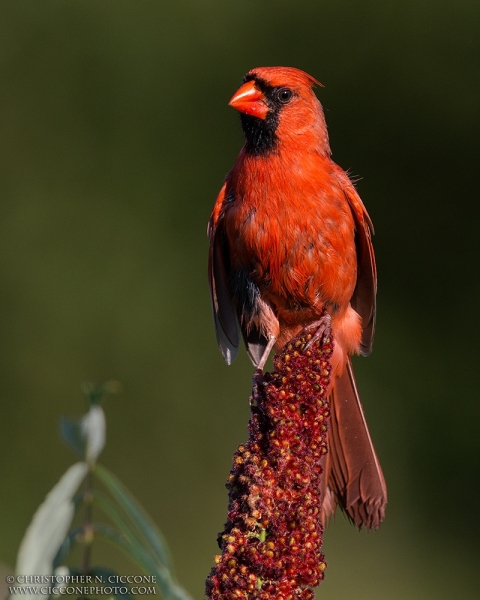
(115,136)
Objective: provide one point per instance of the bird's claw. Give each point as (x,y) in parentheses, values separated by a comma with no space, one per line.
(323,330)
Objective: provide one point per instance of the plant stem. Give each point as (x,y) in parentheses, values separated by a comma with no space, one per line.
(88,533)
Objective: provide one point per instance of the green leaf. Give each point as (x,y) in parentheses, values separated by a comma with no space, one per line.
(164,581)
(86,436)
(72,434)
(94,428)
(66,546)
(49,526)
(110,509)
(136,513)
(105,573)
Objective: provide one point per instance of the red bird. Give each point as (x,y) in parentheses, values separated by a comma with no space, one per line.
(290,237)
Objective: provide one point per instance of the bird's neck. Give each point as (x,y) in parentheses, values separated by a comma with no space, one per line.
(262,182)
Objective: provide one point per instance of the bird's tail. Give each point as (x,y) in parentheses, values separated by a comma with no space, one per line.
(353,478)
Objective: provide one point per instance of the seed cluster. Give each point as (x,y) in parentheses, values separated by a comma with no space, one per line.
(271,544)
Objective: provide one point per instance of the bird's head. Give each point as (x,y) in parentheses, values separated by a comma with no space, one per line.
(278,107)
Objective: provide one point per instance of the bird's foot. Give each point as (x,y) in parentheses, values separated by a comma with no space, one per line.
(323,330)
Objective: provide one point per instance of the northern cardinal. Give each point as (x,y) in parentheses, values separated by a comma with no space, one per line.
(289,239)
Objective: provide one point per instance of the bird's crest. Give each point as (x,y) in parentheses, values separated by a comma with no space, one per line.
(282,75)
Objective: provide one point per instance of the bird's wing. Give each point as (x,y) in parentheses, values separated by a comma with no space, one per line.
(224,314)
(363,300)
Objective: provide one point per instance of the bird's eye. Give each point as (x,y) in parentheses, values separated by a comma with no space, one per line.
(284,95)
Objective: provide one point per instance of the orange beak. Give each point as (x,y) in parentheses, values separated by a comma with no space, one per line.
(250,101)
